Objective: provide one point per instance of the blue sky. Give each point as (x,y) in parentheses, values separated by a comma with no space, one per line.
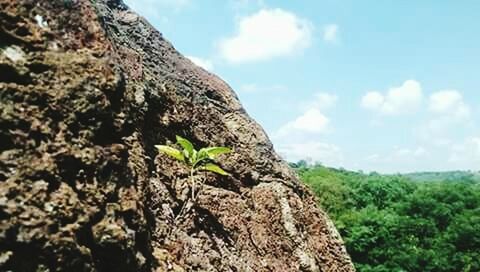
(388,86)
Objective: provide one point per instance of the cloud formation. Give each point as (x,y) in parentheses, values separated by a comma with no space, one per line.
(323,101)
(299,138)
(404,99)
(449,102)
(311,121)
(267,34)
(449,114)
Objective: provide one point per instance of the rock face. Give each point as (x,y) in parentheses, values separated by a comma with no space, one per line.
(87,88)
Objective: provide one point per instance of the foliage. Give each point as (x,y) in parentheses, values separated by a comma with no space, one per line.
(455,176)
(393,223)
(201,160)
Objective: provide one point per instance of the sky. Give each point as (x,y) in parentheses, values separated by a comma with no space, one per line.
(388,86)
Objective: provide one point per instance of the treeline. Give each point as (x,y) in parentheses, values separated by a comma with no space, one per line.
(392,223)
(454,176)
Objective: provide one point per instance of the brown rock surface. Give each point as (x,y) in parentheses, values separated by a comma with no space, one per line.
(86,90)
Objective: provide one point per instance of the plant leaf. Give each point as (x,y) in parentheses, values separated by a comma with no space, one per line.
(214,168)
(194,157)
(170,151)
(213,152)
(202,154)
(187,145)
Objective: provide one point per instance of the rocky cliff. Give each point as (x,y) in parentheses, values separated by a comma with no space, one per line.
(87,88)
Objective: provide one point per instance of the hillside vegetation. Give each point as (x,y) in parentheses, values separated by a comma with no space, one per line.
(397,223)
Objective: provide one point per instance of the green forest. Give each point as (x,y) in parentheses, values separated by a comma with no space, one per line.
(412,222)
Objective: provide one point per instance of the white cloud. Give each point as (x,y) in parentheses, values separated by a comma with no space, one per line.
(323,101)
(267,34)
(312,121)
(398,100)
(449,114)
(327,154)
(330,33)
(298,139)
(373,100)
(204,63)
(449,102)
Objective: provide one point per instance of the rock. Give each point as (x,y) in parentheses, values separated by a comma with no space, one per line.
(87,88)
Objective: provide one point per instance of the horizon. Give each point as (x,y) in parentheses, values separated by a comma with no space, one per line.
(388,87)
(318,164)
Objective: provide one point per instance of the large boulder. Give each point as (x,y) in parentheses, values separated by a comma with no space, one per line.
(87,88)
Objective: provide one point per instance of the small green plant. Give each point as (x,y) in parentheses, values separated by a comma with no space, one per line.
(201,160)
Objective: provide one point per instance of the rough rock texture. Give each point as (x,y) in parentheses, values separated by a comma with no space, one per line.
(86,90)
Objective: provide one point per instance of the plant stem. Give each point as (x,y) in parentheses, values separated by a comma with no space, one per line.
(187,205)
(192,180)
